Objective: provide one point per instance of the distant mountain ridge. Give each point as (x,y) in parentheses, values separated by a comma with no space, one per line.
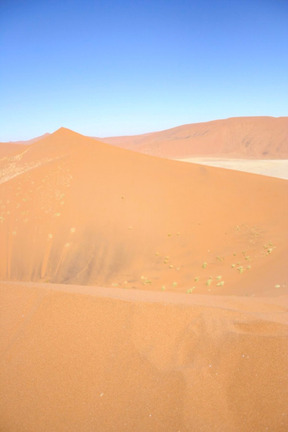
(242,137)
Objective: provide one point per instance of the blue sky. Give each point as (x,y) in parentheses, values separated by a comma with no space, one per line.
(106,67)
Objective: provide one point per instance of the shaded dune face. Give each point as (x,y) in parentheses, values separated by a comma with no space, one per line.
(244,137)
(75,210)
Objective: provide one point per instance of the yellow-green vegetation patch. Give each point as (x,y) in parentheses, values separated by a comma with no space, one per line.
(145,280)
(190,290)
(209,281)
(204,265)
(221,283)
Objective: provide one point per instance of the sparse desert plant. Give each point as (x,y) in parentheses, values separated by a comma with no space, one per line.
(209,281)
(204,265)
(190,290)
(145,280)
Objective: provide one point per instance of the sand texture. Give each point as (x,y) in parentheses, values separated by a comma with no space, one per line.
(139,293)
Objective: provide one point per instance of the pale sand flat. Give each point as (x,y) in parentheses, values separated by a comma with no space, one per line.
(272,167)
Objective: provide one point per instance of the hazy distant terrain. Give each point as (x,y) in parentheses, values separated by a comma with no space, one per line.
(240,138)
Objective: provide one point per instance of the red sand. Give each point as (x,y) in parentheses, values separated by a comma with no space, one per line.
(243,137)
(132,356)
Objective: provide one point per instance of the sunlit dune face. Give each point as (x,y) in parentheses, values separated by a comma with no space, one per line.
(88,213)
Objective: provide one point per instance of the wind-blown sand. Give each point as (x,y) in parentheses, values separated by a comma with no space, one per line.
(138,293)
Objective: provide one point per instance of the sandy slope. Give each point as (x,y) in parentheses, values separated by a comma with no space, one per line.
(10,148)
(81,358)
(189,330)
(73,211)
(243,137)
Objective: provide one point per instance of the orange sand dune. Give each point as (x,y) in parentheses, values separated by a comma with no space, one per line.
(78,211)
(244,137)
(12,147)
(81,359)
(8,148)
(139,294)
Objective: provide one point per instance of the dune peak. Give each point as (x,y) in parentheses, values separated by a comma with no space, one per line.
(64,132)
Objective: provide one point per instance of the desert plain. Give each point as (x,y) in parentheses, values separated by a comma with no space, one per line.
(140,292)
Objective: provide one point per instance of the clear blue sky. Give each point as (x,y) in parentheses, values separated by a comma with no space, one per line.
(115,67)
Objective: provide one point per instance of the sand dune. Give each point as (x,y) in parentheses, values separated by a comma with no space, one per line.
(139,293)
(8,148)
(243,137)
(91,213)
